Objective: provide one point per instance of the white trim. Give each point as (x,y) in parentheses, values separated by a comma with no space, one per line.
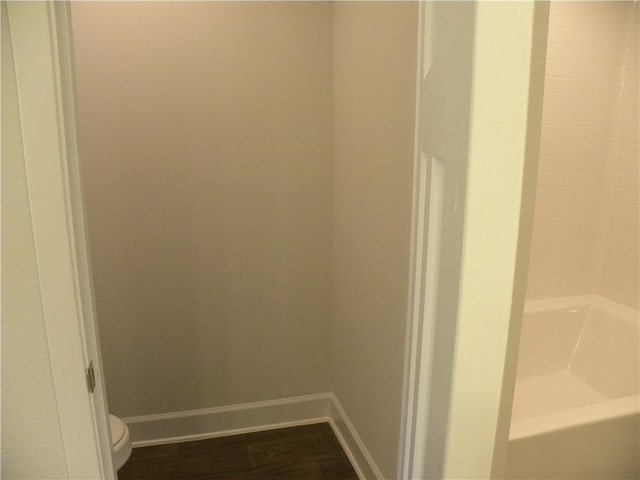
(492,281)
(413,347)
(442,94)
(191,425)
(317,399)
(61,14)
(42,52)
(226,433)
(354,447)
(188,425)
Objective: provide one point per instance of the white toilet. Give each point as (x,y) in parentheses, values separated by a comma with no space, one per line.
(120,441)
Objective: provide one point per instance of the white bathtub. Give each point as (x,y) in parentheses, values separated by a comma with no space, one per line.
(576,410)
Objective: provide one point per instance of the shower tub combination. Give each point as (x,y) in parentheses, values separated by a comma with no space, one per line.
(576,409)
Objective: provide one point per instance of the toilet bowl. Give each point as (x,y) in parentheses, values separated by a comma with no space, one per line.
(120,441)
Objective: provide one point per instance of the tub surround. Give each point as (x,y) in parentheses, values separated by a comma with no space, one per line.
(585,238)
(576,409)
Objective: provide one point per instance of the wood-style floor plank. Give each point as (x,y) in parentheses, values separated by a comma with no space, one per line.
(307,452)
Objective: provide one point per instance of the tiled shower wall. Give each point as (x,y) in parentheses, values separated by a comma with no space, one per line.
(586,221)
(621,259)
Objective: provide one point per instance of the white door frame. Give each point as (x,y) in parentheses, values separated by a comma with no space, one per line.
(441,163)
(42,48)
(509,48)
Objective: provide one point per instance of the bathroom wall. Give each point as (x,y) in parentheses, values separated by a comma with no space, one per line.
(206,141)
(620,280)
(374,91)
(586,220)
(31,439)
(224,219)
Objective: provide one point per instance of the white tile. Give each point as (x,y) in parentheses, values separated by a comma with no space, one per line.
(588,174)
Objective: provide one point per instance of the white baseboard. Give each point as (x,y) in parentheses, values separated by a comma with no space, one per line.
(352,444)
(190,425)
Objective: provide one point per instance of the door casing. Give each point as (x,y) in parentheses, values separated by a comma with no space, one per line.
(42,48)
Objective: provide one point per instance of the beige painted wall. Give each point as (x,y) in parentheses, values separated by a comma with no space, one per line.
(205,134)
(374,92)
(31,439)
(216,198)
(586,220)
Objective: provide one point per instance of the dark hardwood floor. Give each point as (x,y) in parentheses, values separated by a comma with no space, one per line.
(309,452)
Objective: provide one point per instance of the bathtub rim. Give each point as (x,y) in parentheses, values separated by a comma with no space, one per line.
(560,303)
(579,416)
(608,409)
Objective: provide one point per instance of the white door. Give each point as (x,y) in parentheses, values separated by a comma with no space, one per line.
(41,41)
(441,170)
(473,88)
